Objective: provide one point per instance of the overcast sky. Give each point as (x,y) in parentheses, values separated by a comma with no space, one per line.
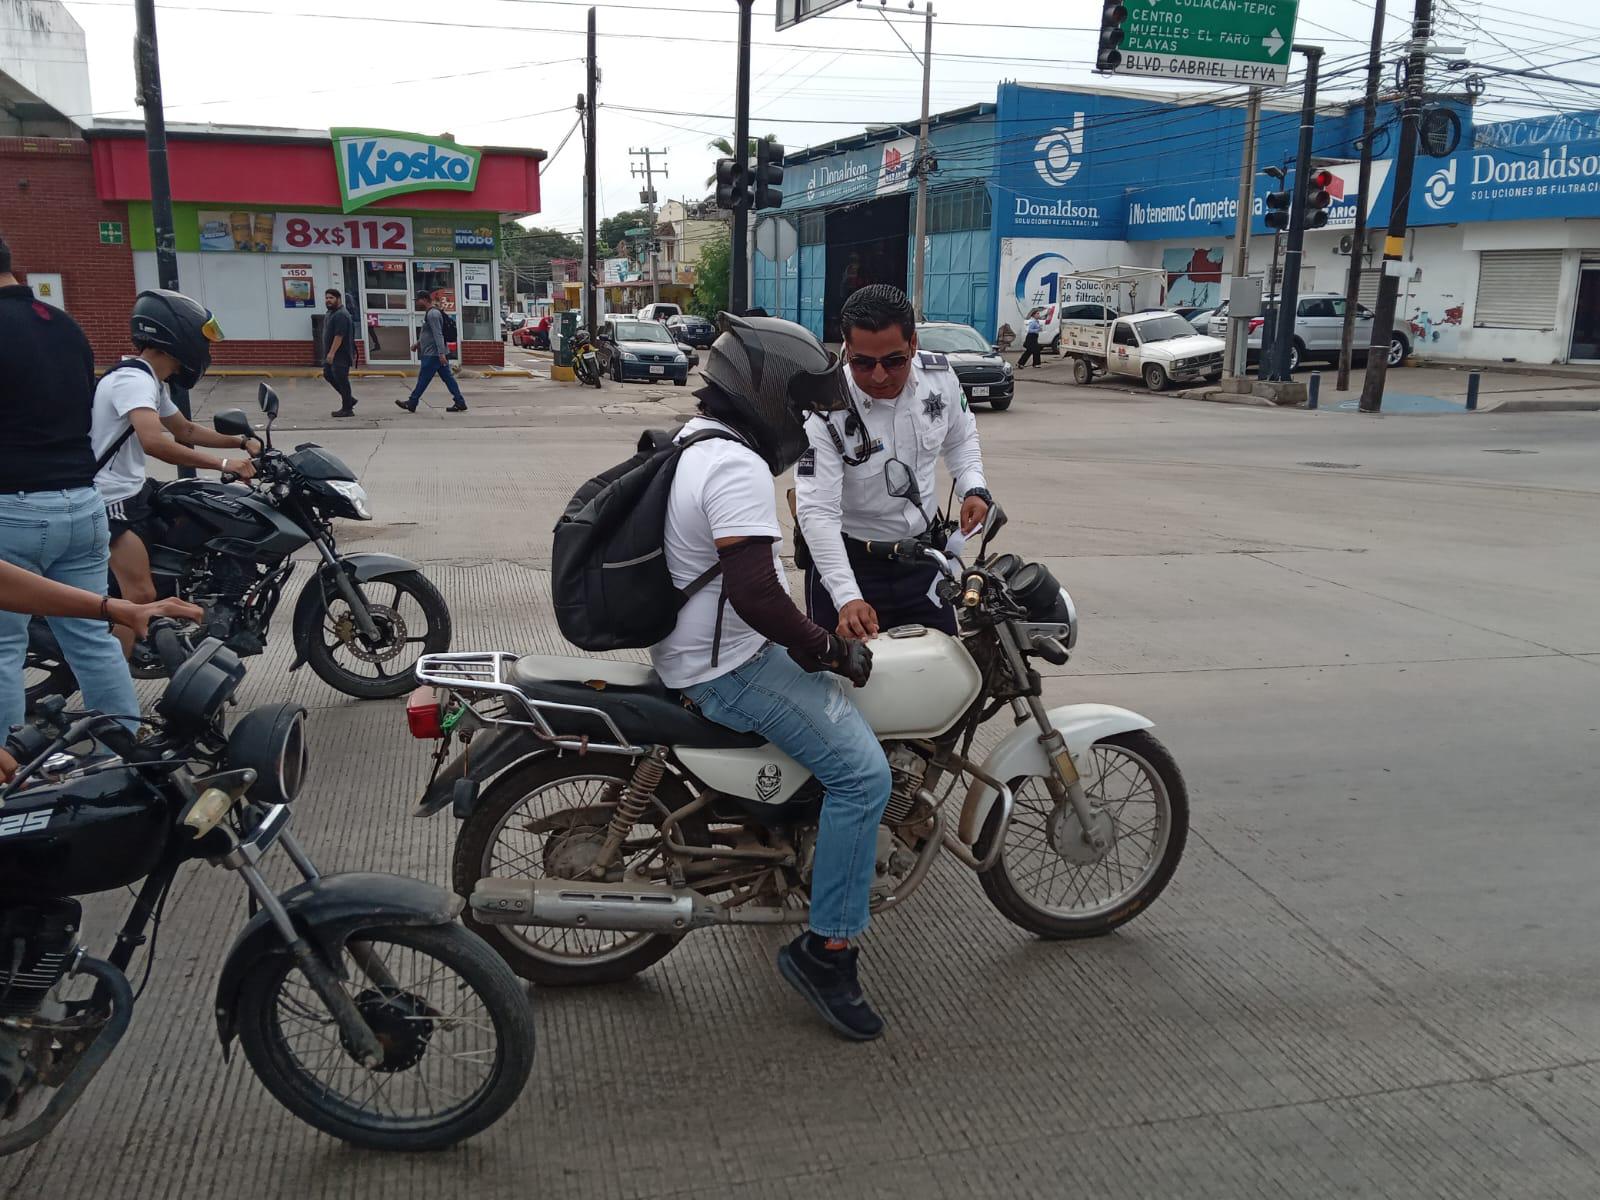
(506,72)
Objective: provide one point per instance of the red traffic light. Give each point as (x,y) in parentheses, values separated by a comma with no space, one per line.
(1317,194)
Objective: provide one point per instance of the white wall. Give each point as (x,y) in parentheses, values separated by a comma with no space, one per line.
(43,49)
(245,291)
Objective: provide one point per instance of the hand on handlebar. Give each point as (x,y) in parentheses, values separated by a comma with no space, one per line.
(858,620)
(239,468)
(8,767)
(137,617)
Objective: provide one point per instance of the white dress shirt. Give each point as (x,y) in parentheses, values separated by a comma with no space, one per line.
(928,419)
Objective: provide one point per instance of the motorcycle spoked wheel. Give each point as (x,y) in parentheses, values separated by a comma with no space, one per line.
(339,657)
(1051,882)
(456,1029)
(495,841)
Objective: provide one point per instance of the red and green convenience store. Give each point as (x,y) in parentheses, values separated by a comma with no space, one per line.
(266,220)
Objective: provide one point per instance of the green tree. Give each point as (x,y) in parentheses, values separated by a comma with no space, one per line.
(711,278)
(525,254)
(724,149)
(614,229)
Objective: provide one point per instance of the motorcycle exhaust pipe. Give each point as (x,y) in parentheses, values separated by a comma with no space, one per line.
(572,904)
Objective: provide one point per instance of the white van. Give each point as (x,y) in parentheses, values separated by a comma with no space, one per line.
(659,311)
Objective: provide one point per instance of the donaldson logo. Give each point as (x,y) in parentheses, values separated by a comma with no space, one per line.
(1059,152)
(1441,186)
(373,163)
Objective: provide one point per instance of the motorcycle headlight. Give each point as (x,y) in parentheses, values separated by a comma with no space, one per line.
(354,495)
(271,740)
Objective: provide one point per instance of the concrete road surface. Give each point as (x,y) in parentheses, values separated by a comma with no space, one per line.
(1371,644)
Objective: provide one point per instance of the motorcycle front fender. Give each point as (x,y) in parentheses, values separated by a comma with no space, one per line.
(1081,726)
(362,567)
(328,911)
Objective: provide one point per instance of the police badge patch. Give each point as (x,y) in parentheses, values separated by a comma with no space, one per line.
(807,465)
(933,406)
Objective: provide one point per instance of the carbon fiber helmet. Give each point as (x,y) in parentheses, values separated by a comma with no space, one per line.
(182,327)
(776,373)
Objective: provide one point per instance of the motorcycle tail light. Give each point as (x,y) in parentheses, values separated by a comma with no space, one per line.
(423,714)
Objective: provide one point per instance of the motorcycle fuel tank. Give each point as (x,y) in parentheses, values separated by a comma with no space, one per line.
(82,836)
(198,511)
(922,681)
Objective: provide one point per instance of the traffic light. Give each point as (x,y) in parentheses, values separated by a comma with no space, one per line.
(1109,57)
(1277,210)
(769,173)
(1318,199)
(733,184)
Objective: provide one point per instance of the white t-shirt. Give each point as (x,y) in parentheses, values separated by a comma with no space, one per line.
(722,489)
(120,393)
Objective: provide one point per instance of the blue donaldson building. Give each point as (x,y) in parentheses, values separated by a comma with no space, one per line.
(1502,255)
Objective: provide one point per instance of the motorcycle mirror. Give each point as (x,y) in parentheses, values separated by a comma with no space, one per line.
(233,423)
(992,525)
(268,400)
(900,481)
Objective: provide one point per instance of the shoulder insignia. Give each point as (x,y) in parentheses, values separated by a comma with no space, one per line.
(930,361)
(807,464)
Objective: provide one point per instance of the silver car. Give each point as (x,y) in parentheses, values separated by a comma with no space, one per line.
(1318,328)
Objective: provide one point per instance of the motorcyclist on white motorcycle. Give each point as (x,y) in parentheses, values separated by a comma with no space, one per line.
(764,667)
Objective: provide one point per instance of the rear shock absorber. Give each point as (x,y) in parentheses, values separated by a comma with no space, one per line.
(631,805)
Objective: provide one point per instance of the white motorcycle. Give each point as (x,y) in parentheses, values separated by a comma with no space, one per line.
(618,819)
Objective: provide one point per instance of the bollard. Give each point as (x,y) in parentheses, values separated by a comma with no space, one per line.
(1473,380)
(1313,387)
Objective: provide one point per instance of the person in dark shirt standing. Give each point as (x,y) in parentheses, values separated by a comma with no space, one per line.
(338,354)
(52,521)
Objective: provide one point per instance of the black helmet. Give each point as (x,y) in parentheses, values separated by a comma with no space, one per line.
(182,327)
(773,374)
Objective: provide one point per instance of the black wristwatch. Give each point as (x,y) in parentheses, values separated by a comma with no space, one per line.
(980,493)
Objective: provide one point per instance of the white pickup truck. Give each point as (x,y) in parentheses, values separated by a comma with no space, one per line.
(1159,347)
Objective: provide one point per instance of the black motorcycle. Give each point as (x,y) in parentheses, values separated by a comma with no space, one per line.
(359,1002)
(361,622)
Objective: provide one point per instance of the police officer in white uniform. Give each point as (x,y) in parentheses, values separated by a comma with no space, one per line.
(871,474)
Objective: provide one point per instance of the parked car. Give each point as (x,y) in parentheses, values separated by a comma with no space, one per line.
(1318,329)
(631,348)
(690,330)
(1159,347)
(659,311)
(984,376)
(533,335)
(1200,318)
(511,322)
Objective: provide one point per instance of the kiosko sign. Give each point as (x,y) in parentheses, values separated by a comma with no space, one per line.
(374,163)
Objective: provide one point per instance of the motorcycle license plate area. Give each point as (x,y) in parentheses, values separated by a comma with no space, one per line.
(980,391)
(658,370)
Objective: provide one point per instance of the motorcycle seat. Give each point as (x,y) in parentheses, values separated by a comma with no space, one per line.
(646,710)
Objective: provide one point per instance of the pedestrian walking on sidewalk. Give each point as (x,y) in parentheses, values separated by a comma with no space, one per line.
(338,350)
(1030,343)
(433,349)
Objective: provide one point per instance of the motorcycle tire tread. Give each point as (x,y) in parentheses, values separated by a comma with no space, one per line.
(1010,903)
(427,596)
(504,998)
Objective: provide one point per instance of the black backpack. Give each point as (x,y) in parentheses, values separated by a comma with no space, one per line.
(608,571)
(448,327)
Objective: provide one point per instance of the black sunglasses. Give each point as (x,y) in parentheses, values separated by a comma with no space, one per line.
(864,364)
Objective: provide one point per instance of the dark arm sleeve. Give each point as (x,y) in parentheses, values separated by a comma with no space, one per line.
(751,586)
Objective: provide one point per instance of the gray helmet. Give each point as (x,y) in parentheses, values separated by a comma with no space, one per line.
(776,374)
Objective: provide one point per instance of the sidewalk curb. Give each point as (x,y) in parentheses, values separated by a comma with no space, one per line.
(1514,405)
(1218,396)
(357,373)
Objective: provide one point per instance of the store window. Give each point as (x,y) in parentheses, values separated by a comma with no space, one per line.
(813,229)
(386,296)
(958,208)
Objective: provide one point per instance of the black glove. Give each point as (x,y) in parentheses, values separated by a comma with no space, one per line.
(843,656)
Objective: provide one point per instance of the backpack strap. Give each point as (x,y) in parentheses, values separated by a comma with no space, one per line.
(711,572)
(122,438)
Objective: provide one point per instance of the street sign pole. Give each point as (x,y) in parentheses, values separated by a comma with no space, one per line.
(1237,354)
(1289,294)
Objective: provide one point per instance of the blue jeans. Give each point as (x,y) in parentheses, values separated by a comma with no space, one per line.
(62,536)
(434,364)
(810,718)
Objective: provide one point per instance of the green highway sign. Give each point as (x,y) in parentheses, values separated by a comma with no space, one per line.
(1214,41)
(635,233)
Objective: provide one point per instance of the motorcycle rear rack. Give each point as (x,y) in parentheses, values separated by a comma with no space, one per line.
(487,671)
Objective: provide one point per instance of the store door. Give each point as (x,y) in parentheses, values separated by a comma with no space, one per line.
(1586,314)
(438,278)
(386,295)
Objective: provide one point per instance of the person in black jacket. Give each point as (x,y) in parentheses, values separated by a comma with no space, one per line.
(52,521)
(339,350)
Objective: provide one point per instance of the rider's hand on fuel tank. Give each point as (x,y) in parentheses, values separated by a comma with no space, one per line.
(851,659)
(858,619)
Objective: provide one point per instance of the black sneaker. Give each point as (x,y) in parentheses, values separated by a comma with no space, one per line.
(343,412)
(827,978)
(410,406)
(457,408)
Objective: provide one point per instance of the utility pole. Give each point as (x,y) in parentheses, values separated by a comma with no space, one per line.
(1289,293)
(591,310)
(648,198)
(918,279)
(1394,244)
(739,234)
(147,73)
(1358,243)
(1237,352)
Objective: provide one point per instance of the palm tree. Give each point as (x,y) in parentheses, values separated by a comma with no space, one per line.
(724,147)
